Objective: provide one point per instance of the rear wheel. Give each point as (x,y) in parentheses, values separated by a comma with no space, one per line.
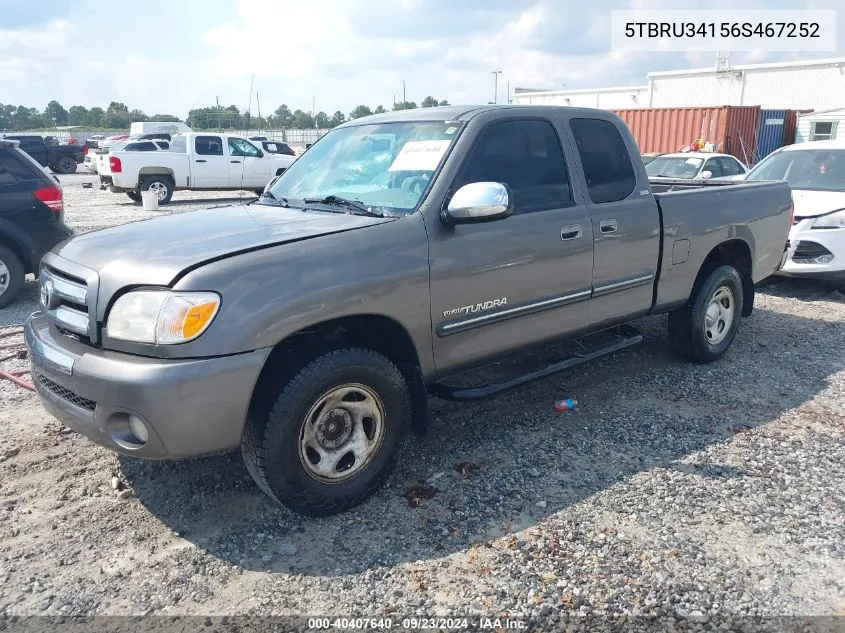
(704,329)
(161,185)
(65,165)
(134,196)
(11,276)
(331,438)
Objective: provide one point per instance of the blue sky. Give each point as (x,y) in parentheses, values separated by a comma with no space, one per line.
(166,57)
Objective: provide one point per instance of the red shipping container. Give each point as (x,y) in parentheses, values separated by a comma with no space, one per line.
(732,128)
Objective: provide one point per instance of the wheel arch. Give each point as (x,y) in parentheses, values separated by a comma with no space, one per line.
(377,332)
(737,253)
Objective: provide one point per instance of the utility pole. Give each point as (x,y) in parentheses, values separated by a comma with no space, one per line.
(496,74)
(251,80)
(404,100)
(509,92)
(258,105)
(218,113)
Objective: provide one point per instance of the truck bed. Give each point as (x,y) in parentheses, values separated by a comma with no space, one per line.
(698,216)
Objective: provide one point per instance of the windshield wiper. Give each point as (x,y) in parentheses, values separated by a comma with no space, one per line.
(282,202)
(352,205)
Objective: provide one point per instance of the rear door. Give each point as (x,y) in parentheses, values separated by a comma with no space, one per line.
(246,169)
(499,286)
(209,163)
(625,221)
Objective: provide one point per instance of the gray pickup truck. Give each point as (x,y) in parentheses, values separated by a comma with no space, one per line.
(397,253)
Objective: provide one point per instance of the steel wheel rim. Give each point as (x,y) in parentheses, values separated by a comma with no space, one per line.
(5,278)
(159,189)
(341,433)
(719,315)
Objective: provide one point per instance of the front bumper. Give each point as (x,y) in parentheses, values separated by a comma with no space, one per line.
(190,407)
(804,240)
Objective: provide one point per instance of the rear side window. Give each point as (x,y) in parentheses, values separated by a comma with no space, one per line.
(606,160)
(13,169)
(209,146)
(164,144)
(526,156)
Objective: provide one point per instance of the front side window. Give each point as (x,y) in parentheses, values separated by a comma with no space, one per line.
(11,169)
(209,146)
(730,167)
(241,147)
(526,156)
(386,166)
(714,166)
(809,169)
(606,160)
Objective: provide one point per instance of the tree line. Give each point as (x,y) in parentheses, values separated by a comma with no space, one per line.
(118,116)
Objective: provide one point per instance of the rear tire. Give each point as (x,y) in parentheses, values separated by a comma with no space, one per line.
(12,275)
(134,196)
(332,436)
(162,185)
(65,165)
(704,329)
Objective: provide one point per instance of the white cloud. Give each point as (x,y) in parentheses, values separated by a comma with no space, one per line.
(32,52)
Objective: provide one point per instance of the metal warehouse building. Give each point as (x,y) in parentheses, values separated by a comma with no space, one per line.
(817,84)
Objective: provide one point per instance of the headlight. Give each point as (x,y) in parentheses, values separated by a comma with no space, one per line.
(835,220)
(161,316)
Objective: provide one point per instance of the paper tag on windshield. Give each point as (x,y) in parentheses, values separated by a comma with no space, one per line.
(692,161)
(419,156)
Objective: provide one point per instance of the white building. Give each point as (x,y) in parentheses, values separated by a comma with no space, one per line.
(817,84)
(821,126)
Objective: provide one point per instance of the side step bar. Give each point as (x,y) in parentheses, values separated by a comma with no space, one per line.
(626,337)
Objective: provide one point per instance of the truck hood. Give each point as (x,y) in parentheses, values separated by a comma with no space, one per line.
(155,251)
(809,204)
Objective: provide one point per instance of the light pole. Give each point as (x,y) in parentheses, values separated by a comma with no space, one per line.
(496,74)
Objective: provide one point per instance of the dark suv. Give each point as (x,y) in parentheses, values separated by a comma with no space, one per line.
(31,218)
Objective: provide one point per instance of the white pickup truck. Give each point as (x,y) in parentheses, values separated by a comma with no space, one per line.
(197,162)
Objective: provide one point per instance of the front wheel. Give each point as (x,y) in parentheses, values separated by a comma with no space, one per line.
(160,185)
(704,329)
(331,438)
(65,165)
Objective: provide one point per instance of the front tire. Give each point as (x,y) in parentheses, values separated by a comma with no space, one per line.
(162,186)
(65,165)
(332,436)
(12,276)
(704,329)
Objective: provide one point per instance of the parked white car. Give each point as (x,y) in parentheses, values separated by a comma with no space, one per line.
(816,173)
(696,165)
(196,162)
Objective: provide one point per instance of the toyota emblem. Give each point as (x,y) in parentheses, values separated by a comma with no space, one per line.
(47,294)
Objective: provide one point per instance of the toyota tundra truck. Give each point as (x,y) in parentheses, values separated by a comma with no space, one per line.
(397,255)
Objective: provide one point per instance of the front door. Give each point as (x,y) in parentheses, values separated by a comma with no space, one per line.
(499,286)
(210,163)
(625,220)
(247,170)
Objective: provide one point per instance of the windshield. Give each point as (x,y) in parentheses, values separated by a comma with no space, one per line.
(677,167)
(811,169)
(119,145)
(385,166)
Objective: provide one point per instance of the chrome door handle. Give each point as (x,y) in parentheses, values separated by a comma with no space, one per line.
(608,226)
(571,232)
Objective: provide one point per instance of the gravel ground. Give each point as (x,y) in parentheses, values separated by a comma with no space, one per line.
(696,492)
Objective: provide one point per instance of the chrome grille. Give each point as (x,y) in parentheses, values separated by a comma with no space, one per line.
(66,299)
(65,394)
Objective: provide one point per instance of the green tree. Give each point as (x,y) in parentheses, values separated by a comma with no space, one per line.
(322,120)
(282,117)
(7,114)
(95,116)
(360,111)
(337,118)
(443,103)
(302,120)
(77,115)
(429,102)
(404,105)
(165,118)
(137,115)
(55,113)
(379,110)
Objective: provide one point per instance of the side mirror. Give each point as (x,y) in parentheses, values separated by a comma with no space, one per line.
(260,154)
(479,202)
(706,174)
